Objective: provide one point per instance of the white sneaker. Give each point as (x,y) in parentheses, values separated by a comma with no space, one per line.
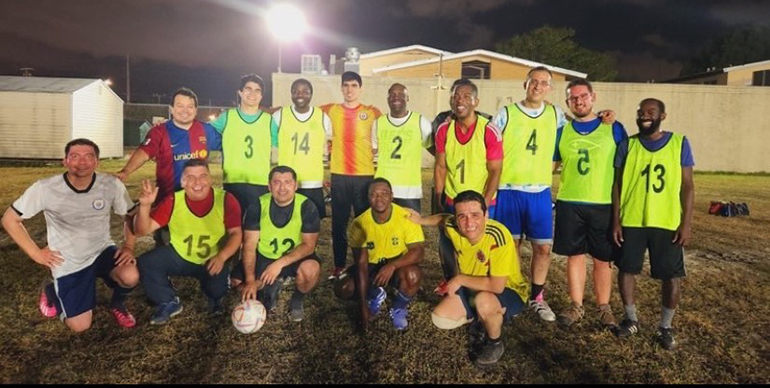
(542,309)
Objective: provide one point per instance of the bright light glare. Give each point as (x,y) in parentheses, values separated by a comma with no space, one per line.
(286,22)
(108,82)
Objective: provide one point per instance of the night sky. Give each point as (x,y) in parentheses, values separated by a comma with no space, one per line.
(207,44)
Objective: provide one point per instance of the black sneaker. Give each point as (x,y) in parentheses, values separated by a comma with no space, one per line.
(490,354)
(627,328)
(666,338)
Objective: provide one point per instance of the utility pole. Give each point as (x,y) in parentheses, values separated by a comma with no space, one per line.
(128,79)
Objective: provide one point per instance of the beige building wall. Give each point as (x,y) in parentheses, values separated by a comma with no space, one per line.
(366,65)
(725,124)
(744,77)
(499,70)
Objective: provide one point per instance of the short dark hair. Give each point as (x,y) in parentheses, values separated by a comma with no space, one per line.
(465,82)
(281,170)
(301,81)
(539,68)
(470,196)
(580,81)
(187,92)
(379,180)
(196,163)
(396,84)
(352,76)
(252,78)
(660,103)
(80,141)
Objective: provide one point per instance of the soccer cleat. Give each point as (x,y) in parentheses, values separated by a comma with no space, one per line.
(666,338)
(122,316)
(542,309)
(376,302)
(627,328)
(399,318)
(165,311)
(606,317)
(490,353)
(715,208)
(572,314)
(335,274)
(47,307)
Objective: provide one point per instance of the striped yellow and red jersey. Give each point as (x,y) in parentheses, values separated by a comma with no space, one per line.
(352,138)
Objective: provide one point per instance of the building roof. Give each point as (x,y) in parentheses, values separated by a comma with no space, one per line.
(43,84)
(404,49)
(740,67)
(487,53)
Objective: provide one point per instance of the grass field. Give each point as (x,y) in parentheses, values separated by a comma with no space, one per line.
(723,321)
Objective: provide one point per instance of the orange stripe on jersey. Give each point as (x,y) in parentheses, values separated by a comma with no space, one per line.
(352,139)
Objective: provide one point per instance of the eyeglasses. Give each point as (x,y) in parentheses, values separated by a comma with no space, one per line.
(581,97)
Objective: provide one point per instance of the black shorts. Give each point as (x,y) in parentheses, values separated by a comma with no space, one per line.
(666,257)
(411,203)
(317,196)
(289,271)
(374,269)
(246,193)
(508,299)
(583,228)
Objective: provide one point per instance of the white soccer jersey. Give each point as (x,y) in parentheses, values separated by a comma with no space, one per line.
(77,222)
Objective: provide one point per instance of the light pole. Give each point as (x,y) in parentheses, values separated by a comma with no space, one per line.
(287,24)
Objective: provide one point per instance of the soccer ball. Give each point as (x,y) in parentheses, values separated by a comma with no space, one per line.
(249,316)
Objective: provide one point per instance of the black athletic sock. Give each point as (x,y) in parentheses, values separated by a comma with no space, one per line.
(53,300)
(536,290)
(119,295)
(297,298)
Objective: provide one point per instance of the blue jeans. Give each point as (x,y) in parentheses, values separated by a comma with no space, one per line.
(157,265)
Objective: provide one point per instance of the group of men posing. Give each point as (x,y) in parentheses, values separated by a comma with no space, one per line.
(618,197)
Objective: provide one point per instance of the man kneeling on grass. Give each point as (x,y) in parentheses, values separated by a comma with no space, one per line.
(388,249)
(280,234)
(199,218)
(489,288)
(77,208)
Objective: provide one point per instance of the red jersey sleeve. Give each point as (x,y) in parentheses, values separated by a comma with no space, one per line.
(162,213)
(232,212)
(326,108)
(152,141)
(494,142)
(441,135)
(376,111)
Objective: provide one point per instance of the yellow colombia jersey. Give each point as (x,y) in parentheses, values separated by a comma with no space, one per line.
(351,139)
(494,255)
(388,240)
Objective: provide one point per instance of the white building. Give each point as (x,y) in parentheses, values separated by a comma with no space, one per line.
(39,115)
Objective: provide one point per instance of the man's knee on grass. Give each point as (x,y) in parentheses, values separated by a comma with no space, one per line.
(446,323)
(488,306)
(80,323)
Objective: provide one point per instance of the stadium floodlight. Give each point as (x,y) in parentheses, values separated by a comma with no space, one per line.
(287,24)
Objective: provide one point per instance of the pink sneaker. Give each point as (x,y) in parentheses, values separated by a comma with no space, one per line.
(47,309)
(123,317)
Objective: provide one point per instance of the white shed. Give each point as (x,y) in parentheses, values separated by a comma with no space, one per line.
(39,115)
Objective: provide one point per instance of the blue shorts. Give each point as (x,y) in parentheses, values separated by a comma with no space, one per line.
(526,214)
(77,291)
(508,299)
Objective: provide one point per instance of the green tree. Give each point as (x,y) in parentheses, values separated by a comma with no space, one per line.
(555,46)
(738,47)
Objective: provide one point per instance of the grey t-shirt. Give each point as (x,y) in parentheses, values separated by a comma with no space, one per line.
(77,221)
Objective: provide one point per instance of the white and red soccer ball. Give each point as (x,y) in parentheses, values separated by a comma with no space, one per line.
(249,316)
